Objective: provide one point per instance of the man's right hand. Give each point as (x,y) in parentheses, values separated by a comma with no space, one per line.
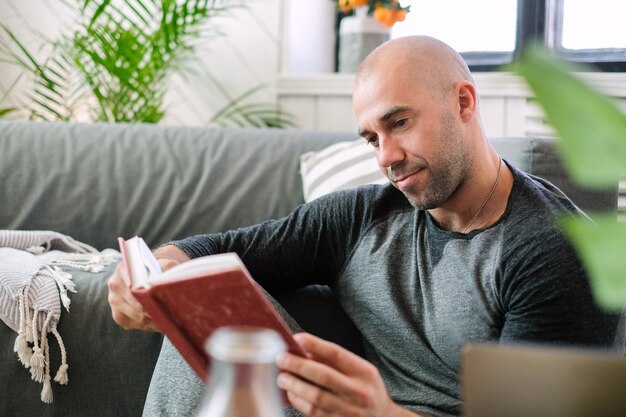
(125,309)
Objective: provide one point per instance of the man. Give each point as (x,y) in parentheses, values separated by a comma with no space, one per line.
(461,247)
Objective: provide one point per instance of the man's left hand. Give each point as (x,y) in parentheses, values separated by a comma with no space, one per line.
(333,381)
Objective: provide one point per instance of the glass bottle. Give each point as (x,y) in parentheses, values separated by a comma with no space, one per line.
(242,380)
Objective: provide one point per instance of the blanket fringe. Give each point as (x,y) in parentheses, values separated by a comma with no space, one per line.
(46,391)
(24,352)
(31,343)
(61,375)
(37,358)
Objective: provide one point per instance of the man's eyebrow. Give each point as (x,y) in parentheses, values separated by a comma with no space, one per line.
(393,112)
(363,133)
(385,117)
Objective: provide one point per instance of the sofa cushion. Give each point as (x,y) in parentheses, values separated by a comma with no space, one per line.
(338,167)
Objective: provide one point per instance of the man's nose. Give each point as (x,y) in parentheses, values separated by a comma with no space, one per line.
(389,152)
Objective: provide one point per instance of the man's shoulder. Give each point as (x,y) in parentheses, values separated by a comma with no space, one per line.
(533,214)
(540,198)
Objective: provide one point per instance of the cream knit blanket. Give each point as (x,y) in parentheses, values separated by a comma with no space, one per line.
(32,288)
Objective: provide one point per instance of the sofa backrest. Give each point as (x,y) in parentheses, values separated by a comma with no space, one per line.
(95,182)
(539,156)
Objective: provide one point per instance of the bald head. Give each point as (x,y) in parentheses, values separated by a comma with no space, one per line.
(420,58)
(415,102)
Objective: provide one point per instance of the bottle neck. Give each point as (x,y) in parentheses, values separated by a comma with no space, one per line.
(242,381)
(243,390)
(243,374)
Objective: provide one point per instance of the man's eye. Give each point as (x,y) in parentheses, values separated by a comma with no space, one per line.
(400,123)
(372,140)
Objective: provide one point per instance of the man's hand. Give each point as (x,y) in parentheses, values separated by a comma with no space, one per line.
(126,310)
(334,381)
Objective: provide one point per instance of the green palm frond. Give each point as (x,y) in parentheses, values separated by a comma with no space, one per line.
(6,110)
(119,57)
(127,57)
(239,114)
(54,80)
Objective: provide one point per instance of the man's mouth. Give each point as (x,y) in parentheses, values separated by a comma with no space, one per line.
(406,180)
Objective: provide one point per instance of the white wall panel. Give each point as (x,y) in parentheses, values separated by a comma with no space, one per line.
(492,114)
(514,116)
(335,113)
(507,106)
(303,108)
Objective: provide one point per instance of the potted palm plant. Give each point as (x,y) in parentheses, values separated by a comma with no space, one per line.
(116,62)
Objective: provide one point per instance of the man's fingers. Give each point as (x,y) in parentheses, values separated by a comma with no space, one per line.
(313,400)
(119,292)
(335,356)
(332,380)
(125,309)
(166,264)
(308,408)
(323,377)
(316,372)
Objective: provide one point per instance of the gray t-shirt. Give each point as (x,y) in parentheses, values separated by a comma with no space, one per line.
(418,293)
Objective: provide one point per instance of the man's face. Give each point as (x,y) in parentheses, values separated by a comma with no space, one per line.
(418,137)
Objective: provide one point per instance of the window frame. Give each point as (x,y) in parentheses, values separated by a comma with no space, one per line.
(603,59)
(542,21)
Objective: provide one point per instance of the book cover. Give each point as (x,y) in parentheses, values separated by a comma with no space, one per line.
(191,300)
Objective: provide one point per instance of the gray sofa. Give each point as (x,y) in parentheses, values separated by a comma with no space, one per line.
(96,182)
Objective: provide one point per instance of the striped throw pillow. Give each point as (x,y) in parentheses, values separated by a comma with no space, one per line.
(338,167)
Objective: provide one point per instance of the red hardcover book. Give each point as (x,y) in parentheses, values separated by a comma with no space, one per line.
(191,300)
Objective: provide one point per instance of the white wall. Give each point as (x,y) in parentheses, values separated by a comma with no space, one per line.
(247,56)
(309,37)
(277,43)
(507,107)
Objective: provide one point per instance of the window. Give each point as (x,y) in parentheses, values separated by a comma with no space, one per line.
(591,32)
(483,38)
(494,31)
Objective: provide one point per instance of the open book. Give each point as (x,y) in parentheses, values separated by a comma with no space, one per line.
(191,300)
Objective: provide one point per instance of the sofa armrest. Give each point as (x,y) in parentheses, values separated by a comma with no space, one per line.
(109,368)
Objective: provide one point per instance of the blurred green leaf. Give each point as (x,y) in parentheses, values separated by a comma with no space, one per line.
(602,247)
(592,144)
(592,128)
(6,110)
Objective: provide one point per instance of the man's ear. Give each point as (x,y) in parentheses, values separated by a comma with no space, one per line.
(468,102)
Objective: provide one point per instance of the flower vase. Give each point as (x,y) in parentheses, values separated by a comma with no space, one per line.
(358,36)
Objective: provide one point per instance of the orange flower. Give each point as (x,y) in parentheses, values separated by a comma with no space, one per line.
(389,17)
(347,5)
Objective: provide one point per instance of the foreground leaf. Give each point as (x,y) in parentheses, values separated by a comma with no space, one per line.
(592,128)
(602,248)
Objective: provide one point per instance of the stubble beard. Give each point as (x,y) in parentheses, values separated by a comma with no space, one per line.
(444,177)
